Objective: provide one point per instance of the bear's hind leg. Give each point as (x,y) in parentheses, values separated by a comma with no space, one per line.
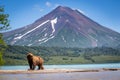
(41,67)
(38,67)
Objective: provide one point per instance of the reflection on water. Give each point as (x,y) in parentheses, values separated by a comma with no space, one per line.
(75,66)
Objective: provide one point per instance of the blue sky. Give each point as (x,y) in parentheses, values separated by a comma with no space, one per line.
(25,12)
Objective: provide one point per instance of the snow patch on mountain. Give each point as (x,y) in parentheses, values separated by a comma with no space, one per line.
(45,34)
(45,39)
(81,11)
(53,22)
(94,41)
(49,38)
(43,30)
(63,39)
(67,20)
(29,44)
(13,42)
(73,40)
(42,39)
(19,37)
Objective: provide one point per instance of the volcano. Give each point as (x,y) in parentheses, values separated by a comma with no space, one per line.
(63,27)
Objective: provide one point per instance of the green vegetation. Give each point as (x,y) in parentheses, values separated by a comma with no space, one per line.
(2,49)
(16,55)
(4,23)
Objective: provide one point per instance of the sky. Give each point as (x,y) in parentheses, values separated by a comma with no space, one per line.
(25,12)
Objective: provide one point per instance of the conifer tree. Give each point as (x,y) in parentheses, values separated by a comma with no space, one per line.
(4,25)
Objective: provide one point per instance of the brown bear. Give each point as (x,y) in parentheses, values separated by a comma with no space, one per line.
(35,61)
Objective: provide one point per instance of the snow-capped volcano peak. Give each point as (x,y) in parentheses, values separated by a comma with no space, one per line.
(63,27)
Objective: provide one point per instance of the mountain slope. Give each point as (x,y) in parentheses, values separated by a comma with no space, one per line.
(63,27)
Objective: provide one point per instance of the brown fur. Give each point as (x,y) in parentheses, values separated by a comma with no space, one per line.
(35,61)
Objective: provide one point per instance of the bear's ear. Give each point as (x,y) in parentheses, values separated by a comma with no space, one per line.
(30,54)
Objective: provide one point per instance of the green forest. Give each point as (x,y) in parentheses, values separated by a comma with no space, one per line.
(16,55)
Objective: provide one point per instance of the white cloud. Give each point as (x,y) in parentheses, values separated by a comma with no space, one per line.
(38,8)
(48,4)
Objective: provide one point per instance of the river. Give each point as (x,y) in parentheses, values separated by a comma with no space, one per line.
(74,66)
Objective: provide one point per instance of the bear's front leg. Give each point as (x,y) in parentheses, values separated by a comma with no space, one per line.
(30,65)
(33,67)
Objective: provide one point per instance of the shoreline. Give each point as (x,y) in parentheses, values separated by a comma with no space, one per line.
(46,71)
(61,74)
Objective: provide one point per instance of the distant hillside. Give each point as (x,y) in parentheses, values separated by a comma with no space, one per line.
(15,55)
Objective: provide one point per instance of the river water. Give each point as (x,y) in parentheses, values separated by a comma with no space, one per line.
(74,66)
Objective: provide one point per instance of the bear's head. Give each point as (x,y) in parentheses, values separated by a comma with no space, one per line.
(30,55)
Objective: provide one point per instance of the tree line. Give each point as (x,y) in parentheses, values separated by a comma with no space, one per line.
(59,51)
(19,53)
